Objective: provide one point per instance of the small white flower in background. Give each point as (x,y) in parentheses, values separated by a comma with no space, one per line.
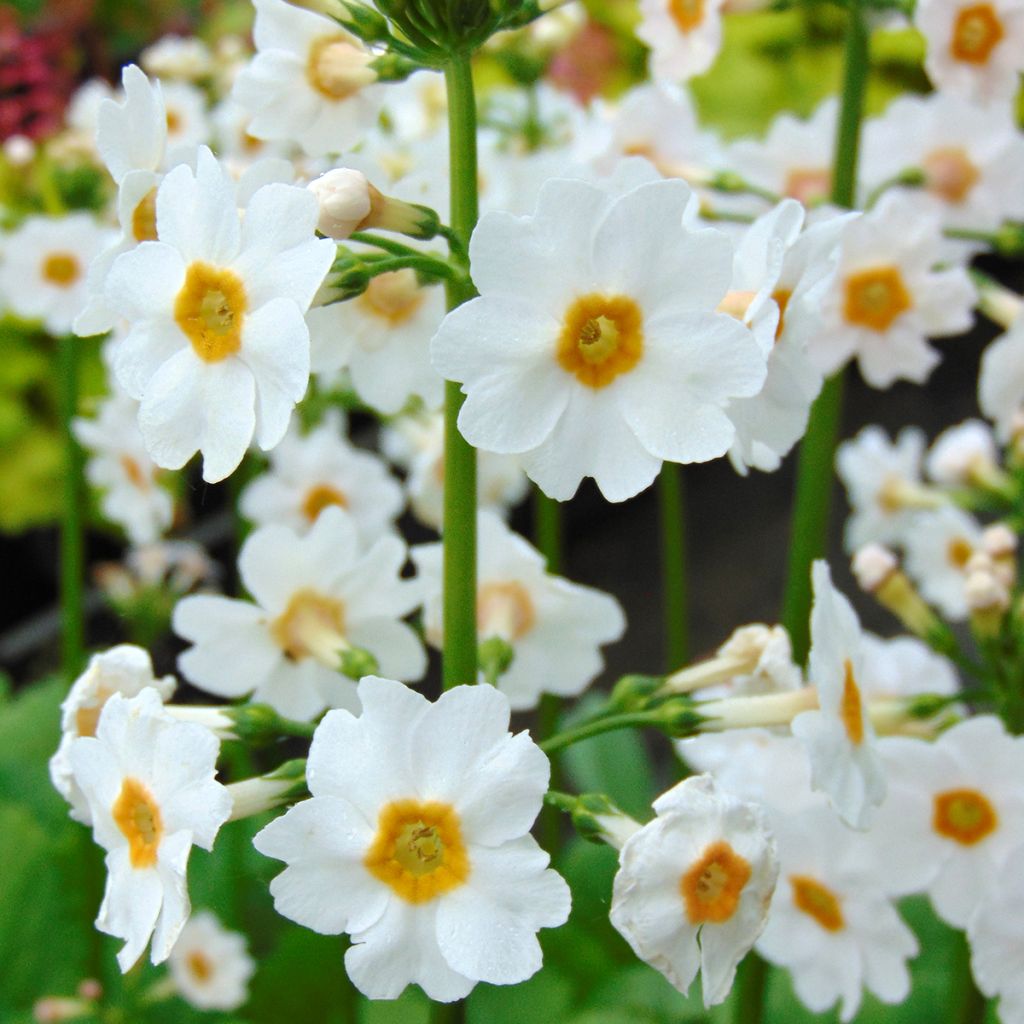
(210,965)
(939,549)
(996,935)
(887,299)
(880,477)
(177,565)
(555,628)
(903,666)
(149,783)
(311,472)
(218,348)
(121,468)
(684,36)
(962,452)
(44,265)
(416,443)
(310,81)
(595,348)
(416,842)
(315,596)
(830,923)
(1001,381)
(188,124)
(83,108)
(839,737)
(124,669)
(954,811)
(185,57)
(693,885)
(974,49)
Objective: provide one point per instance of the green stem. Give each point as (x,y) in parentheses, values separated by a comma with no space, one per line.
(460,656)
(547,529)
(967,1005)
(448,1013)
(72,558)
(748,991)
(673,564)
(629,720)
(809,536)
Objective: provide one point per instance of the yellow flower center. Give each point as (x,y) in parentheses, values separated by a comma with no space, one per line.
(336,68)
(959,552)
(687,14)
(809,185)
(144,218)
(137,815)
(320,497)
(712,886)
(851,707)
(505,610)
(312,625)
(602,337)
(977,31)
(817,901)
(949,173)
(199,966)
(964,815)
(393,296)
(134,472)
(875,297)
(781,297)
(174,122)
(418,850)
(61,269)
(210,308)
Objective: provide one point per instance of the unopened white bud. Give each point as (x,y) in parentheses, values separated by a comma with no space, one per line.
(872,565)
(999,541)
(985,591)
(617,828)
(345,201)
(961,453)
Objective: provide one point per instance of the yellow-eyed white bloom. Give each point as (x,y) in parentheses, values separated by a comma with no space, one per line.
(210,965)
(684,36)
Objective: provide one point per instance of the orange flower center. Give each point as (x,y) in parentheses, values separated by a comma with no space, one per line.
(817,901)
(320,497)
(312,625)
(61,269)
(199,965)
(144,218)
(393,297)
(174,122)
(712,886)
(851,707)
(134,472)
(977,31)
(137,815)
(505,610)
(964,815)
(418,850)
(876,297)
(959,552)
(949,173)
(687,14)
(602,337)
(210,308)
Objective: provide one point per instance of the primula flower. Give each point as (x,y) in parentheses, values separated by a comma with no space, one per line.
(839,737)
(310,81)
(887,298)
(311,472)
(954,812)
(416,842)
(830,922)
(185,57)
(125,669)
(209,965)
(693,885)
(316,596)
(684,36)
(149,783)
(939,549)
(44,265)
(218,348)
(974,49)
(555,628)
(594,348)
(962,454)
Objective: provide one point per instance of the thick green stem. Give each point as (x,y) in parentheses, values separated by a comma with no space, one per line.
(460,655)
(629,720)
(748,991)
(966,1005)
(72,558)
(673,564)
(809,536)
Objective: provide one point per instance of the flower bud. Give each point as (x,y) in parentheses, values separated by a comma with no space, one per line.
(872,565)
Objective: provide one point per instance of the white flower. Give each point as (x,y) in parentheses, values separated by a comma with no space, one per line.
(188,125)
(416,443)
(310,81)
(1001,381)
(839,737)
(594,349)
(887,299)
(416,842)
(954,811)
(210,965)
(132,136)
(974,49)
(903,666)
(186,57)
(830,922)
(684,35)
(121,468)
(44,265)
(218,349)
(555,628)
(996,935)
(149,783)
(124,669)
(959,452)
(693,885)
(315,596)
(310,472)
(878,474)
(939,548)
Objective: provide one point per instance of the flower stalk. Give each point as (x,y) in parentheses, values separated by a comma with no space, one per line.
(72,539)
(673,563)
